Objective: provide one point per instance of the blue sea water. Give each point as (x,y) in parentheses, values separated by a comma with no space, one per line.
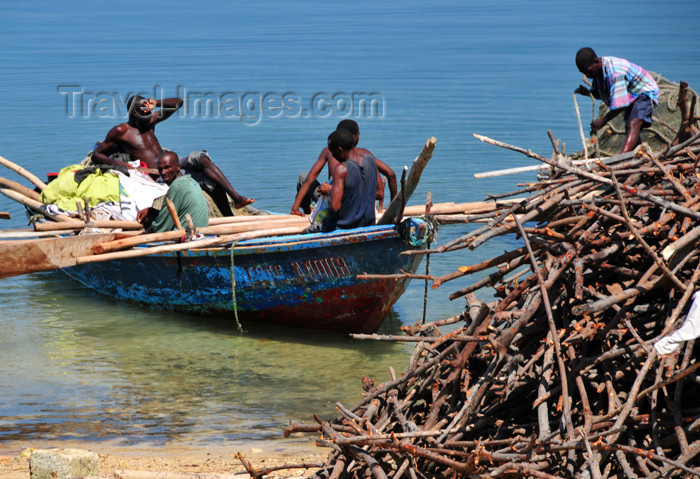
(277,77)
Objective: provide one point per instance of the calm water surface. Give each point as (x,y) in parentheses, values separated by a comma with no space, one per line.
(79,367)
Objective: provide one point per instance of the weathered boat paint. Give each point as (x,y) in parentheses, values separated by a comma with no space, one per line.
(307,281)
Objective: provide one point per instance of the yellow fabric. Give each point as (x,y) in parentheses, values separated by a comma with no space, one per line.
(98,187)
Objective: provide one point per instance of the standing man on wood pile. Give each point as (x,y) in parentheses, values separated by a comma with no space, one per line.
(352,194)
(307,185)
(183,191)
(137,138)
(622,86)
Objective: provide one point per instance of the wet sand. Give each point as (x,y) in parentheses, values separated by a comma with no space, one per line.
(175,462)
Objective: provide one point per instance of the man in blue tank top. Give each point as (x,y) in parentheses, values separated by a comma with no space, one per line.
(351,195)
(307,184)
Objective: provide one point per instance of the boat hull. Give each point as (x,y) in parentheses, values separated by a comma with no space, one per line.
(307,281)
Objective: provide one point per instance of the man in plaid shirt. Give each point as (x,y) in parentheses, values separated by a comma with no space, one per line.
(622,86)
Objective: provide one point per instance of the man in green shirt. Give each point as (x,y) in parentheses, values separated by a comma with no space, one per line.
(183,191)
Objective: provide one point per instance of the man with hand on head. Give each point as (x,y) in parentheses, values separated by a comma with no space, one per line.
(137,138)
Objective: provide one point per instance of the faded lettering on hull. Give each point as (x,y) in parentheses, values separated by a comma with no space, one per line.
(313,269)
(334,267)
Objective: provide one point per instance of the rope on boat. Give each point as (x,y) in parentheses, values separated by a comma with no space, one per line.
(425,292)
(233,289)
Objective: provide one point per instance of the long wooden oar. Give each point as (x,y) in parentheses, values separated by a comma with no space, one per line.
(394,210)
(21,171)
(205,243)
(31,256)
(211,230)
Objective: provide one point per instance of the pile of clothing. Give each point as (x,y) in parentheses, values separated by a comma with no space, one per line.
(112,193)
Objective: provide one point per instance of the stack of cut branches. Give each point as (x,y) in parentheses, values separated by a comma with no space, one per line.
(560,377)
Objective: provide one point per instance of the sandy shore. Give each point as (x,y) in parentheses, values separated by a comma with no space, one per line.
(177,463)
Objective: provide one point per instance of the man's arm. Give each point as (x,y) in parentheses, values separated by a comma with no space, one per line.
(600,122)
(390,177)
(310,178)
(585,91)
(336,193)
(383,168)
(146,217)
(104,148)
(167,106)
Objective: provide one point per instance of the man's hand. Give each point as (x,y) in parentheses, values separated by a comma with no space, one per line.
(597,124)
(141,215)
(149,105)
(582,90)
(298,212)
(325,188)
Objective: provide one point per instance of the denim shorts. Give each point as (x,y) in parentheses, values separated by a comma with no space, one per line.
(642,108)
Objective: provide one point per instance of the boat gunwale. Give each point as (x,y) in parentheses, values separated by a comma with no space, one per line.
(292,242)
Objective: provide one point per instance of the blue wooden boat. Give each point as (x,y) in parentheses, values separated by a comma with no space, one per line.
(308,281)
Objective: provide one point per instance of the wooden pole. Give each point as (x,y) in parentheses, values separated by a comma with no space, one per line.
(460,208)
(524,169)
(12,185)
(173,213)
(580,128)
(31,234)
(247,218)
(33,204)
(205,243)
(393,210)
(78,225)
(211,230)
(22,172)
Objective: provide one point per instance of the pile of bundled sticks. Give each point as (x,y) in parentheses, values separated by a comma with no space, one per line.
(560,376)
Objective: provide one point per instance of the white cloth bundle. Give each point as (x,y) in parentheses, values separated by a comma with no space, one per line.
(141,189)
(688,331)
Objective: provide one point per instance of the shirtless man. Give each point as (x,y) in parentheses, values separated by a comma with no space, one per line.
(137,138)
(306,191)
